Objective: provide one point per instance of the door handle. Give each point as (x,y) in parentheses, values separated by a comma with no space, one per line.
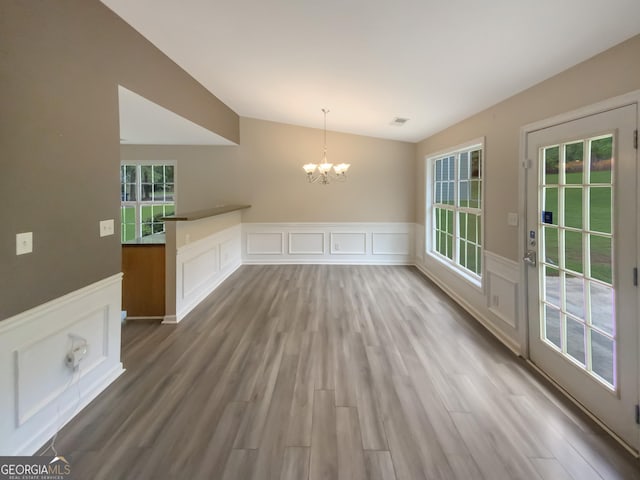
(530,258)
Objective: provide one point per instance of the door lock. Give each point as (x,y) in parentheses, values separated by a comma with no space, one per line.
(530,258)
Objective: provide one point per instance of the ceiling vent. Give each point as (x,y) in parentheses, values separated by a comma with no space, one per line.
(399,121)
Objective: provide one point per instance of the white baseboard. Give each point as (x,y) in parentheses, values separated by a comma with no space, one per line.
(170,320)
(40,392)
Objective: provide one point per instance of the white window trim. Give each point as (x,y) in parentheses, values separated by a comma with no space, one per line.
(138,163)
(473,279)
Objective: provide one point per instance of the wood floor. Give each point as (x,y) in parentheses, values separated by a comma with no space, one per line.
(331,372)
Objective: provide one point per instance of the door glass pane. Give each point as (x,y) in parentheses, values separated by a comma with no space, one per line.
(573,207)
(574,295)
(600,217)
(602,355)
(601,258)
(574,156)
(550,206)
(552,286)
(573,251)
(575,340)
(602,307)
(551,156)
(551,245)
(601,160)
(552,325)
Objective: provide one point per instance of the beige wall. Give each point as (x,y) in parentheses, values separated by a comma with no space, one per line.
(60,67)
(266,172)
(612,73)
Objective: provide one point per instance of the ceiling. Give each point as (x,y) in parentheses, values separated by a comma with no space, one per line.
(369,61)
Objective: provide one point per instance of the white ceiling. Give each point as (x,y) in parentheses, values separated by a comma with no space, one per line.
(143,122)
(433,61)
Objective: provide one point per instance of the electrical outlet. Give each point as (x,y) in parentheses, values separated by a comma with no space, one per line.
(106,228)
(77,353)
(24,243)
(336,247)
(495,300)
(512,219)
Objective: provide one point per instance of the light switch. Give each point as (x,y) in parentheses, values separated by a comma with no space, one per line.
(512,219)
(106,228)
(24,243)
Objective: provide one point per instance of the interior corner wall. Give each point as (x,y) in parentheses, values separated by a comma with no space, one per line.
(265,170)
(60,67)
(609,74)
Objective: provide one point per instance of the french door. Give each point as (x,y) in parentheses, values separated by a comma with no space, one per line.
(581,256)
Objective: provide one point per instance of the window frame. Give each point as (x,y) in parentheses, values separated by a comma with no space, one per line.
(138,204)
(454,264)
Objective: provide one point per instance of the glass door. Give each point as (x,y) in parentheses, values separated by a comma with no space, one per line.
(581,229)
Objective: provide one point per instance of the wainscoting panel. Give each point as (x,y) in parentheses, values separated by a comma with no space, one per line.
(39,392)
(339,243)
(265,243)
(348,243)
(199,270)
(503,277)
(38,377)
(203,265)
(306,243)
(229,253)
(390,243)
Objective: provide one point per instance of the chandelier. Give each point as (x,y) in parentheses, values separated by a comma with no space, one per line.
(325,172)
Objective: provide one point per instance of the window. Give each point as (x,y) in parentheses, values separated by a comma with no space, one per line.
(147,191)
(454,206)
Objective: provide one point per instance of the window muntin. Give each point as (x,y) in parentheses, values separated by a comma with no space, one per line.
(456,209)
(147,194)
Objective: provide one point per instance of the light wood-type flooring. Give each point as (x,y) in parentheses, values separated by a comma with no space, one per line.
(332,372)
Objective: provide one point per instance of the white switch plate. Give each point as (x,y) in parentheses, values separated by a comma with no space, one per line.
(106,228)
(24,243)
(512,219)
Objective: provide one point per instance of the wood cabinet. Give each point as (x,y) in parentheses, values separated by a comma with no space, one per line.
(143,282)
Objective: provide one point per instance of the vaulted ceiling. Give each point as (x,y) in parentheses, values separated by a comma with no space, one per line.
(370,61)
